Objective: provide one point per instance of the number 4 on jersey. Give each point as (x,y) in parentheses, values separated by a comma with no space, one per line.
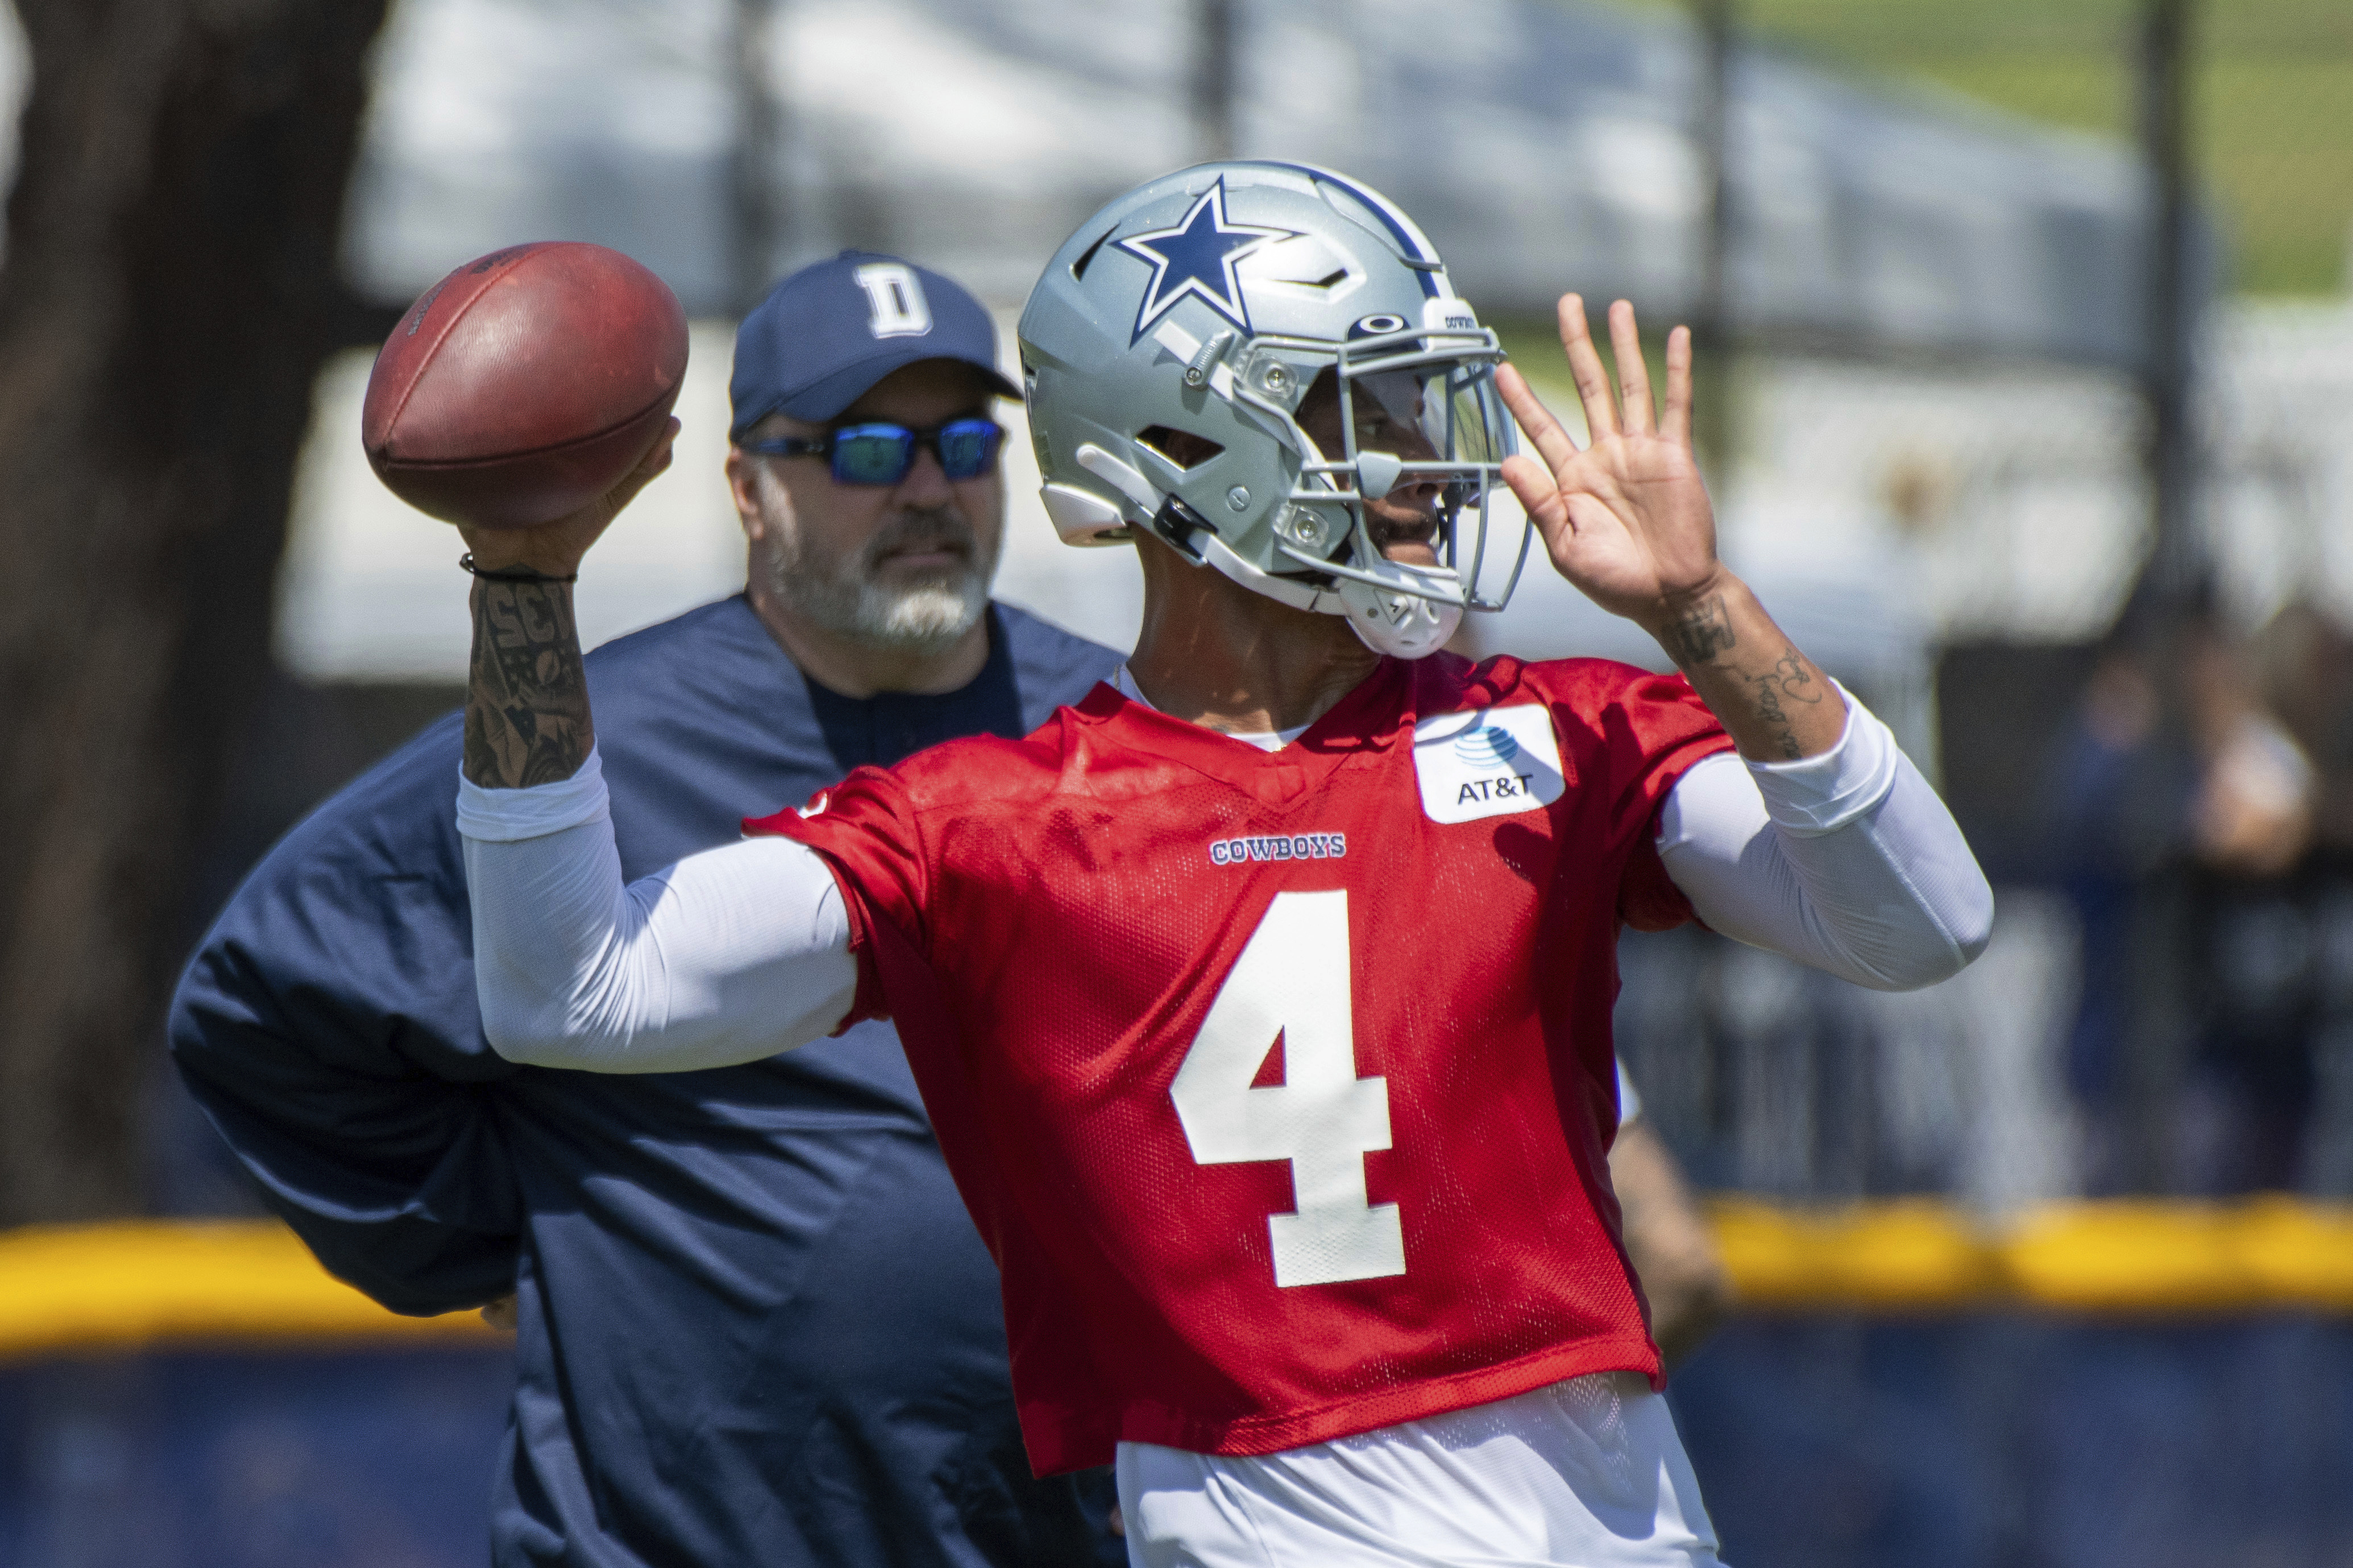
(1292,982)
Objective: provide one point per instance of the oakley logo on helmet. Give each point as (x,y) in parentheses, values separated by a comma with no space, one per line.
(895,305)
(1197,257)
(1377,326)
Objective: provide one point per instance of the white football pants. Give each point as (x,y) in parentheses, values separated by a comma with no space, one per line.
(1588,1473)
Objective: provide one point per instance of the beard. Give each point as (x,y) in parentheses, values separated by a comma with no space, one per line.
(846,594)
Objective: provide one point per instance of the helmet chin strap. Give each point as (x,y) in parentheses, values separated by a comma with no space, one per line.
(1387,620)
(1284,590)
(1400,624)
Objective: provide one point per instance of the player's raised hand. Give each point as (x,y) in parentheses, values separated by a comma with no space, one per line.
(556,548)
(1626,519)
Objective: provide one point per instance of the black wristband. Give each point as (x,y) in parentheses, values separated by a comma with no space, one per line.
(510,573)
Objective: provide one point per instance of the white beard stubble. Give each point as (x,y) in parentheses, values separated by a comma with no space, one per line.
(845,596)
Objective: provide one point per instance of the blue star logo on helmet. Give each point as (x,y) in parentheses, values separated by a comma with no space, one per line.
(1197,257)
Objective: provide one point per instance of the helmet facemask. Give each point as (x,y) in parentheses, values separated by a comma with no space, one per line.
(1402,438)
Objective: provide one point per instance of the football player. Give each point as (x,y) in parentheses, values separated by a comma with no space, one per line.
(1261,1000)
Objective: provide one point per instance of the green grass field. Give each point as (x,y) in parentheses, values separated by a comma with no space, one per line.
(2272,108)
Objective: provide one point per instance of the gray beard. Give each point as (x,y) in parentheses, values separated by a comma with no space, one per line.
(844,597)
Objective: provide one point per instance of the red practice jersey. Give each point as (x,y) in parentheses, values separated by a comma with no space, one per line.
(1280,1083)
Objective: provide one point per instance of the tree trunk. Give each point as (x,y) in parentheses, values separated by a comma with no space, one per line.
(169,291)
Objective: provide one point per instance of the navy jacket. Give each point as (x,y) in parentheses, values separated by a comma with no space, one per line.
(755,1325)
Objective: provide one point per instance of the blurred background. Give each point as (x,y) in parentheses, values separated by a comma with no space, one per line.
(2026,355)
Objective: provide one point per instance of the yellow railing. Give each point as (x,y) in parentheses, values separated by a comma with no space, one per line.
(67,1289)
(2135,1257)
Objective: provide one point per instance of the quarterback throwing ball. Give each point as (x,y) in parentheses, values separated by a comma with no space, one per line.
(1261,1000)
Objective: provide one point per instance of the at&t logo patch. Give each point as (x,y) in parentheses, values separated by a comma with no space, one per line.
(1488,762)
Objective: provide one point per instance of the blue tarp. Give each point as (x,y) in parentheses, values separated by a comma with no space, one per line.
(1991,1442)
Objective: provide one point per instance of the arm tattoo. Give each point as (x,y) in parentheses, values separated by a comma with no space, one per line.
(527,718)
(1698,633)
(1789,679)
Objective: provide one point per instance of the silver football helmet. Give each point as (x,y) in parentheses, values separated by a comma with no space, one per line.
(1184,341)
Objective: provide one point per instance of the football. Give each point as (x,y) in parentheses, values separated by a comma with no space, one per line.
(525,384)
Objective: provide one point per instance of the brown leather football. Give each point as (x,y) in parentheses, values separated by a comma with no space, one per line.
(525,384)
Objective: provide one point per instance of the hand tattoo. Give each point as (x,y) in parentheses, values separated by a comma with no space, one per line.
(1699,632)
(527,718)
(1789,678)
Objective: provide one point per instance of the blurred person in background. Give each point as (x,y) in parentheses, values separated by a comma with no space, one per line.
(2303,660)
(753,1323)
(2249,1095)
(2116,800)
(2181,843)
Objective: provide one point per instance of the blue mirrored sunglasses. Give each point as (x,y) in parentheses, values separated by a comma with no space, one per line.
(880,454)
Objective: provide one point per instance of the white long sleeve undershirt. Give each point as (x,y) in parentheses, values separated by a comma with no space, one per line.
(727,956)
(1846,861)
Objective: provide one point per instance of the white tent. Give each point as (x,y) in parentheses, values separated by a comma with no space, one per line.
(1543,143)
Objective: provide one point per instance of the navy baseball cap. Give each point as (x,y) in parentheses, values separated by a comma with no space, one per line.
(830,331)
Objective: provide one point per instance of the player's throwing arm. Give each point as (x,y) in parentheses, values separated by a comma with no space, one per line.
(573,971)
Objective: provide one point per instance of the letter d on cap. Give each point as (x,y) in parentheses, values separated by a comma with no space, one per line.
(894,299)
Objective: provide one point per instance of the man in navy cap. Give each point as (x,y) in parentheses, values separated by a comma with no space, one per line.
(752,1322)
